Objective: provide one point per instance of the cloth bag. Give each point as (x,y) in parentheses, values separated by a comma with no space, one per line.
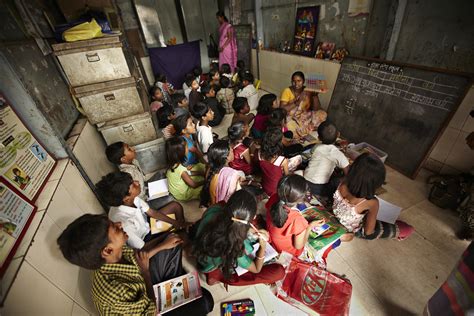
(318,289)
(83,31)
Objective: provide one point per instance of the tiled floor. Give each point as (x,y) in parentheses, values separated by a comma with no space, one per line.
(389,277)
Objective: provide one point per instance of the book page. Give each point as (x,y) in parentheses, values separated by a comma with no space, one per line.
(178,291)
(157,189)
(388,212)
(270,253)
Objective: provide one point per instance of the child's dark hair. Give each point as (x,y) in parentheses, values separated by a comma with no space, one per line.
(247,76)
(235,132)
(180,123)
(189,78)
(212,73)
(177,98)
(206,88)
(114,187)
(197,71)
(298,74)
(327,132)
(153,91)
(291,189)
(240,64)
(223,237)
(175,152)
(214,67)
(277,117)
(163,114)
(84,239)
(272,143)
(265,104)
(225,69)
(365,176)
(160,78)
(217,158)
(238,104)
(224,81)
(115,152)
(200,110)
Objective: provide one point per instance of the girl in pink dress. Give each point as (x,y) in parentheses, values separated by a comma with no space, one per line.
(227,42)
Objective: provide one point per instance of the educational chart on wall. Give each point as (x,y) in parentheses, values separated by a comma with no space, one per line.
(16,213)
(306,25)
(24,163)
(401,109)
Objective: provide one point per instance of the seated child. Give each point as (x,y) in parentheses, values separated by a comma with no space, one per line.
(271,161)
(221,181)
(204,114)
(209,96)
(242,109)
(164,116)
(123,156)
(121,193)
(356,206)
(265,106)
(225,96)
(123,277)
(200,77)
(324,158)
(165,86)
(222,243)
(248,90)
(242,159)
(188,81)
(214,77)
(184,183)
(289,231)
(291,146)
(157,98)
(236,79)
(226,71)
(180,104)
(184,127)
(195,95)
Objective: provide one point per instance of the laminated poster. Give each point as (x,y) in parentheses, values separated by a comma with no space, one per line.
(16,212)
(24,163)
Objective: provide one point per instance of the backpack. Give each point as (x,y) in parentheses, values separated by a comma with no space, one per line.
(448,191)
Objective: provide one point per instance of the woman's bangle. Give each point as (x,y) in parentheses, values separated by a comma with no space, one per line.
(260,258)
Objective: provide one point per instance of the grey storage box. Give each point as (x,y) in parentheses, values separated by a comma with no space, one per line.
(151,155)
(92,61)
(132,130)
(109,100)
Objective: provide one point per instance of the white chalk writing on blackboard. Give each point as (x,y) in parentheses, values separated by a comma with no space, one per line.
(350,105)
(398,85)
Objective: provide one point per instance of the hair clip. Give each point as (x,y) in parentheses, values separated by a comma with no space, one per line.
(242,221)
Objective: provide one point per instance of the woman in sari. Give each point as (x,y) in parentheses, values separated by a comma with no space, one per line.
(227,42)
(303,107)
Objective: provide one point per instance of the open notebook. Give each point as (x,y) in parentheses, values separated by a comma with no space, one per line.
(158,189)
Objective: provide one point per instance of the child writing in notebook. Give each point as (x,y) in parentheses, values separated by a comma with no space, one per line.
(184,183)
(356,206)
(121,193)
(289,231)
(242,159)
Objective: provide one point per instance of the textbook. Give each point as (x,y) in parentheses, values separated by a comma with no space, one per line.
(330,235)
(158,189)
(270,253)
(388,212)
(177,292)
(160,226)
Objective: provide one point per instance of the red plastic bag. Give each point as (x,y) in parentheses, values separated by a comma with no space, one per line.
(318,289)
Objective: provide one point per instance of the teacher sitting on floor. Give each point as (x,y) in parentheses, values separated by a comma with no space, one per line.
(303,107)
(227,42)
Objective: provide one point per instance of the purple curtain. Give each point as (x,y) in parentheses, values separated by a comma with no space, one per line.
(175,61)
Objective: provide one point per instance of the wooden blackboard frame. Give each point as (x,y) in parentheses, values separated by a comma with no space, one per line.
(468,76)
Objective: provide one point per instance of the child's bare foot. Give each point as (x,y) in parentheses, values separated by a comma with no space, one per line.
(347,237)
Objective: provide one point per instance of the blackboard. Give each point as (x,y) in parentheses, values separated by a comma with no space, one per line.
(400,109)
(243,36)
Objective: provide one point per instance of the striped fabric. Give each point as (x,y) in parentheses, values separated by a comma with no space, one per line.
(456,295)
(119,288)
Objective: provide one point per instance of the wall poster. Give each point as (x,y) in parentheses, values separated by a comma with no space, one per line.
(306,25)
(24,163)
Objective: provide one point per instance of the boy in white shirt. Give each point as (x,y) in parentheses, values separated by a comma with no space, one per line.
(325,158)
(248,90)
(204,114)
(121,193)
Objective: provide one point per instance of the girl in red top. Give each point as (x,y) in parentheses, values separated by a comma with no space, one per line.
(242,160)
(288,229)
